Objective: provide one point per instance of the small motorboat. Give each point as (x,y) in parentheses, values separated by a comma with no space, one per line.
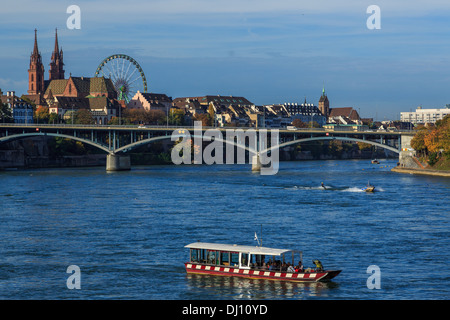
(368,188)
(375,161)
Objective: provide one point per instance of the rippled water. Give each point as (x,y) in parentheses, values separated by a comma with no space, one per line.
(126,230)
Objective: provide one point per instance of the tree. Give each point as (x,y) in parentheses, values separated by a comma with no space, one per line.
(211,113)
(83,116)
(299,123)
(5,113)
(418,142)
(204,118)
(176,117)
(41,114)
(53,118)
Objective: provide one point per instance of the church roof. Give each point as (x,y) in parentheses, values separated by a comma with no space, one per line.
(56,86)
(82,85)
(348,112)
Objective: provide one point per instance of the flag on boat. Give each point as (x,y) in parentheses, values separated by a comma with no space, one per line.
(256,238)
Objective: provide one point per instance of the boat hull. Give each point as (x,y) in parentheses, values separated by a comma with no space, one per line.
(312,276)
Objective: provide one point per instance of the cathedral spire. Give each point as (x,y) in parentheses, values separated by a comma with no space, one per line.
(56,64)
(35,50)
(56,53)
(36,70)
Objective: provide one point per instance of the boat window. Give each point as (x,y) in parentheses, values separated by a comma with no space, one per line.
(224,258)
(194,255)
(234,261)
(244,259)
(202,256)
(257,260)
(211,257)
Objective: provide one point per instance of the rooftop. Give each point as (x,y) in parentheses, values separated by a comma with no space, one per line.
(237,248)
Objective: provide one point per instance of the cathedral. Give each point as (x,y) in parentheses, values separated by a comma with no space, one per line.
(60,95)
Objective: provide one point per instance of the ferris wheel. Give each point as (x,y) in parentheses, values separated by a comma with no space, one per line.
(125,73)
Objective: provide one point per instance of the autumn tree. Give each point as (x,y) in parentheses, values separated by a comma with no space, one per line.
(299,123)
(204,118)
(41,114)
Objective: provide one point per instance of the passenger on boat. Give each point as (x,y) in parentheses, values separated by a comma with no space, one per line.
(299,267)
(318,265)
(290,268)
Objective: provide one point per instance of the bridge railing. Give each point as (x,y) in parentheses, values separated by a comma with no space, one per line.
(174,127)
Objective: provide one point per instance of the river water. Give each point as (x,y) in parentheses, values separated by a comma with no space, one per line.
(126,231)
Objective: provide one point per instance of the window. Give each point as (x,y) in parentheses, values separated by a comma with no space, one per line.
(224,258)
(194,255)
(211,257)
(234,259)
(244,259)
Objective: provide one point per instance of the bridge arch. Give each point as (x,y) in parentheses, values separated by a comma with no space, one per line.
(41,134)
(136,144)
(289,143)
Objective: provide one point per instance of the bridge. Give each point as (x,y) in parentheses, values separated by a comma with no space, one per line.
(117,141)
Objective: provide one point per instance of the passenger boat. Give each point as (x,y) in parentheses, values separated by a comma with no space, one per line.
(254,262)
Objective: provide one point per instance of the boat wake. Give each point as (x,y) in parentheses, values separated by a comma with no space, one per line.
(330,188)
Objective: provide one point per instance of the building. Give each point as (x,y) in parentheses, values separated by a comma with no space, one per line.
(60,95)
(306,112)
(21,110)
(345,115)
(150,101)
(205,101)
(324,104)
(36,71)
(423,116)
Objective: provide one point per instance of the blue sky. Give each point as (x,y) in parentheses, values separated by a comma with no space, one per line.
(269,51)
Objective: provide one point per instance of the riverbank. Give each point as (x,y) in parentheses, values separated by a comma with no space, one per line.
(428,172)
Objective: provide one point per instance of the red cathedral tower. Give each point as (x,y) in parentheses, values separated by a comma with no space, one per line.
(56,65)
(36,71)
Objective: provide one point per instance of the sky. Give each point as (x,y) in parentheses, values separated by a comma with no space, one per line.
(268,51)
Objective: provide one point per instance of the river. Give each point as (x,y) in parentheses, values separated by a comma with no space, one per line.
(126,231)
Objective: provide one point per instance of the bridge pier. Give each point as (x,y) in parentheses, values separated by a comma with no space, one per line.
(115,162)
(256,163)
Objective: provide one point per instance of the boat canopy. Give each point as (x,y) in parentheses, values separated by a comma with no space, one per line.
(238,248)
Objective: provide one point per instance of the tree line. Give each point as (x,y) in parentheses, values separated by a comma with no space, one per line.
(433,141)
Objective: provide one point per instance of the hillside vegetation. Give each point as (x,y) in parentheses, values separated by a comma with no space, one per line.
(432,144)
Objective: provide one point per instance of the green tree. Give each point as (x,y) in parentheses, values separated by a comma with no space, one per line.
(418,141)
(83,116)
(5,113)
(53,118)
(176,117)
